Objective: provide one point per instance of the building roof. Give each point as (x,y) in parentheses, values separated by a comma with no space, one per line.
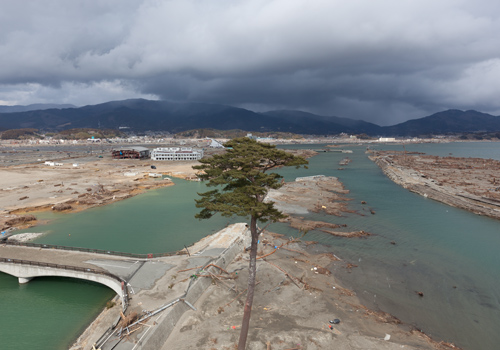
(134,148)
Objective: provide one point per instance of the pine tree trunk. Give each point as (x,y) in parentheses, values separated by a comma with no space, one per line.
(245,324)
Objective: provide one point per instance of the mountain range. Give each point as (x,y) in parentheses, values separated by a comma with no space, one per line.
(141,115)
(33,107)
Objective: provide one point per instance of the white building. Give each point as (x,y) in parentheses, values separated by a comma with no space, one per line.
(387,139)
(215,144)
(176,153)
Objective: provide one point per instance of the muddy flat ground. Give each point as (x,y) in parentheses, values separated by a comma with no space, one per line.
(297,295)
(82,179)
(314,194)
(468,183)
(477,176)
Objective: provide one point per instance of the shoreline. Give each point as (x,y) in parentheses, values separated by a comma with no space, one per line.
(84,182)
(71,190)
(309,267)
(314,288)
(26,237)
(89,327)
(456,185)
(310,254)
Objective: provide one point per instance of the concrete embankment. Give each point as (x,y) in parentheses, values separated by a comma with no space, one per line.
(419,183)
(159,334)
(161,290)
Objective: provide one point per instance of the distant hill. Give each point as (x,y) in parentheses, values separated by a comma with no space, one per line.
(33,107)
(141,115)
(319,124)
(450,121)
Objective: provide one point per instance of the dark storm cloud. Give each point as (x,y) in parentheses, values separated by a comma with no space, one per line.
(382,61)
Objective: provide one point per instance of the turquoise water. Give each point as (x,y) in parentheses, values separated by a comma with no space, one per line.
(454,149)
(438,248)
(157,221)
(47,313)
(56,310)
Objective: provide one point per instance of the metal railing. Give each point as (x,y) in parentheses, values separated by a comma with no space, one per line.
(95,251)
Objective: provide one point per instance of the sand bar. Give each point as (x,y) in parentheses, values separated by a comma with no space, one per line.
(472,184)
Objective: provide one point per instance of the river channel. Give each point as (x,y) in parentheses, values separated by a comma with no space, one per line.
(447,253)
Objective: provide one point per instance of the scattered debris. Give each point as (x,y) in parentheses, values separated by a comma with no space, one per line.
(61,207)
(467,183)
(345,161)
(360,233)
(128,320)
(21,220)
(349,266)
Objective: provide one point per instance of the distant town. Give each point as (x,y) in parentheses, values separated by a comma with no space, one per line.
(208,142)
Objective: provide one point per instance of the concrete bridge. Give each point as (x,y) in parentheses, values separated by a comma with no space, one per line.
(149,284)
(27,261)
(26,270)
(112,269)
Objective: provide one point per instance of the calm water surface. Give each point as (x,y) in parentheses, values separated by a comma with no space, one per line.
(49,313)
(154,222)
(447,253)
(438,248)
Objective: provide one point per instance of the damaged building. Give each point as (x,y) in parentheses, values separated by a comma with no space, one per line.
(136,152)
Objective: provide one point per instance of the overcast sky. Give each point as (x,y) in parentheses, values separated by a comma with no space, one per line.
(382,61)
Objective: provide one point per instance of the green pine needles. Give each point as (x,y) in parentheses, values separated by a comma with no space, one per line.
(242,180)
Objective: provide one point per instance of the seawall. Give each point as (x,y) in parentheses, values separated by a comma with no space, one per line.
(162,291)
(159,334)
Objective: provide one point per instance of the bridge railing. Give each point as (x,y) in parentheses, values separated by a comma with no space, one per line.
(71,268)
(96,251)
(58,266)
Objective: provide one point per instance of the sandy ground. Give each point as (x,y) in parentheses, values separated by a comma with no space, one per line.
(298,304)
(314,194)
(79,184)
(296,297)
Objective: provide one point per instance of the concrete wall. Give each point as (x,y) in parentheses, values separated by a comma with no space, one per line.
(159,334)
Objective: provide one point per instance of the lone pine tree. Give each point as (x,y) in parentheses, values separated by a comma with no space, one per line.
(241,181)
